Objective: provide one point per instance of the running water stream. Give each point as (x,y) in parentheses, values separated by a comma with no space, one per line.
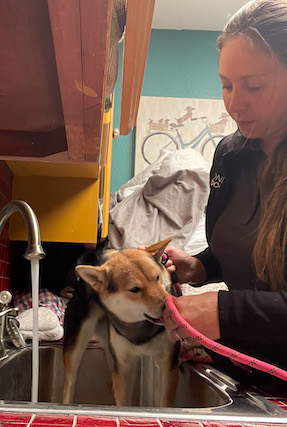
(35,341)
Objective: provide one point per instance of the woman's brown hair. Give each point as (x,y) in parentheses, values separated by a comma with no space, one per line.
(264,22)
(270,248)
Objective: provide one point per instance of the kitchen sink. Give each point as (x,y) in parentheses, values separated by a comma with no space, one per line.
(94,386)
(203,392)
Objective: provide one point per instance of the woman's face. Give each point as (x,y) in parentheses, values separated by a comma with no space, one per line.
(254,91)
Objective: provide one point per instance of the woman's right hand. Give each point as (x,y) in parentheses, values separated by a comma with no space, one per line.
(188,269)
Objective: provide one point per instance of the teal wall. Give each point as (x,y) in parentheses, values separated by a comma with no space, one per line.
(181,64)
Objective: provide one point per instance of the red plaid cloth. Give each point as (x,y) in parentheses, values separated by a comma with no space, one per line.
(23,301)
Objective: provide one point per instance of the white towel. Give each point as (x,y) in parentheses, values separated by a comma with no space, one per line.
(49,328)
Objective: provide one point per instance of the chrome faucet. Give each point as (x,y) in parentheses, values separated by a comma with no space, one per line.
(34,248)
(8,322)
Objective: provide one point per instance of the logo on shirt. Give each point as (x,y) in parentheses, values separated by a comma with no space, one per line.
(217,181)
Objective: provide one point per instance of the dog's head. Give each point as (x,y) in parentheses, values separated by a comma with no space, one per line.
(132,284)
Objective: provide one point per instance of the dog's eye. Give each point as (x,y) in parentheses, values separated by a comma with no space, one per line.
(157,278)
(135,290)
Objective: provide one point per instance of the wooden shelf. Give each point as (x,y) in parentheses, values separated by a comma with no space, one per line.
(138,28)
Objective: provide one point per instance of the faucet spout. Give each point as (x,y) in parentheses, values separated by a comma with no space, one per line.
(34,248)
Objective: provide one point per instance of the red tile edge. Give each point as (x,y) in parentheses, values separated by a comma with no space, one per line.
(14,418)
(53,420)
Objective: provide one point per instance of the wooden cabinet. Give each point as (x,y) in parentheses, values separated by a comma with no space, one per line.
(54,77)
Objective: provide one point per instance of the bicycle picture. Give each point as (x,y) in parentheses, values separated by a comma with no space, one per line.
(154,143)
(179,123)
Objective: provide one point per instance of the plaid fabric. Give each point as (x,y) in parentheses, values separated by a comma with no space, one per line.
(23,301)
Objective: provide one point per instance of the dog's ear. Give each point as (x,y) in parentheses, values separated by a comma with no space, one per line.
(157,249)
(94,276)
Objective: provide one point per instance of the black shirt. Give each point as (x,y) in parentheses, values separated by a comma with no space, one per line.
(253,319)
(234,233)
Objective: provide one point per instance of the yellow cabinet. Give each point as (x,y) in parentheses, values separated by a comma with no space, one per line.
(65,196)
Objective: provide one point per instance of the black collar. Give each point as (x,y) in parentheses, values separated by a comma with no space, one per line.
(137,333)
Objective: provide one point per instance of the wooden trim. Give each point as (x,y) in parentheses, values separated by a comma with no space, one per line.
(66,31)
(95,57)
(81,34)
(106,137)
(138,28)
(107,176)
(62,157)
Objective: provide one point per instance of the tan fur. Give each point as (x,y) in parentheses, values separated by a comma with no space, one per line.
(133,287)
(129,269)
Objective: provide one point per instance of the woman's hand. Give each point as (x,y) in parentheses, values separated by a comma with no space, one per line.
(200,311)
(188,269)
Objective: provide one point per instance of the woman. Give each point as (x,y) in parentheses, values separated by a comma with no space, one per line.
(247,209)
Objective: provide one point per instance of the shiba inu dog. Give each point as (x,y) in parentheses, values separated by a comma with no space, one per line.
(120,300)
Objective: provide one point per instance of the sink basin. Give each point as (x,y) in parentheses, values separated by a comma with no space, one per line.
(203,393)
(94,385)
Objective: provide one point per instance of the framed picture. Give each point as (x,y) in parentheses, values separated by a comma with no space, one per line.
(179,123)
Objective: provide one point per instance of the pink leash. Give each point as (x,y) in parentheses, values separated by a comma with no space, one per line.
(221,349)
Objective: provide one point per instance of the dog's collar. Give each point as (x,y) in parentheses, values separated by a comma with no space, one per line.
(137,333)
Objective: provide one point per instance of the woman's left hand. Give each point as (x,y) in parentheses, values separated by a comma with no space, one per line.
(200,311)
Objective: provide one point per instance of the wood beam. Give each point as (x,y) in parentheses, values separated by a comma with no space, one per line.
(138,28)
(81,34)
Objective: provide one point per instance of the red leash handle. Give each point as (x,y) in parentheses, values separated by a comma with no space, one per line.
(221,349)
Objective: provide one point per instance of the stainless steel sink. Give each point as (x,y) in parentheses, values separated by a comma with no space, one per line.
(94,381)
(203,393)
